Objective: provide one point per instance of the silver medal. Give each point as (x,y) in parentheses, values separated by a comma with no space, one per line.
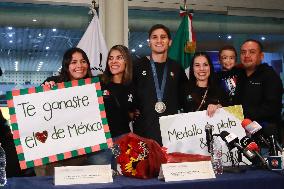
(160,107)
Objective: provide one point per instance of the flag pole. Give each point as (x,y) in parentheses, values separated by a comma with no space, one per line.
(184,5)
(94,4)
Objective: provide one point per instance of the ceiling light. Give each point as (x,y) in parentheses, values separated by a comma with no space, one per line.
(39,34)
(10,35)
(148,40)
(40,63)
(54,29)
(16,66)
(140,45)
(229,37)
(11,41)
(34,20)
(133,50)
(10,28)
(263,38)
(47,47)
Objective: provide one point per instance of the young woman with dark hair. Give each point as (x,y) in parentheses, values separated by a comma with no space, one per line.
(75,66)
(205,94)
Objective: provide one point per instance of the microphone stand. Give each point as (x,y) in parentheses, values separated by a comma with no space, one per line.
(233,168)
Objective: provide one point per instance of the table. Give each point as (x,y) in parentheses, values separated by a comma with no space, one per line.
(258,179)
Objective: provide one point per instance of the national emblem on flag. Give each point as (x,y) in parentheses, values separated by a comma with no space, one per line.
(184,43)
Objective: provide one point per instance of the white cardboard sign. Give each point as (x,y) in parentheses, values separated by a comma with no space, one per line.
(82,174)
(186,132)
(58,124)
(186,171)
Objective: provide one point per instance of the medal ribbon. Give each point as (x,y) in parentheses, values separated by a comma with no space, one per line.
(159,91)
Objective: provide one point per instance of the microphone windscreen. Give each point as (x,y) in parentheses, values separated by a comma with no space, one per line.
(253,147)
(228,137)
(252,128)
(223,134)
(246,122)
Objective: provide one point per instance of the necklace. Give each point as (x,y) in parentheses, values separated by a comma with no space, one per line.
(203,99)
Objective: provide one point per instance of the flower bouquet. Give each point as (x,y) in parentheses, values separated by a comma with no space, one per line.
(139,157)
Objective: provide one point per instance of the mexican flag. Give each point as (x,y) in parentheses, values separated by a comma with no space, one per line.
(184,43)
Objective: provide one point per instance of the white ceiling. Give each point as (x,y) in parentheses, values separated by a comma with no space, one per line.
(30,39)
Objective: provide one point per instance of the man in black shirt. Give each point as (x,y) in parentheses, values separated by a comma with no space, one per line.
(159,83)
(262,89)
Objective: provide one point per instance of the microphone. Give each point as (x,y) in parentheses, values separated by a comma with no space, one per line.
(254,130)
(275,161)
(250,145)
(247,142)
(273,151)
(209,136)
(232,141)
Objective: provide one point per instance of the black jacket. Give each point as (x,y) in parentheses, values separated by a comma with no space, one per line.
(261,96)
(118,101)
(215,95)
(7,142)
(147,124)
(231,82)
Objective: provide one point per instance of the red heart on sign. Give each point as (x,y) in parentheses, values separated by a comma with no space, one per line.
(41,136)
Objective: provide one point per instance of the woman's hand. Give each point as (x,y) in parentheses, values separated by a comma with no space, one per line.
(49,84)
(212,108)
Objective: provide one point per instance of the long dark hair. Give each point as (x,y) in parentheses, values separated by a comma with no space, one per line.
(127,75)
(192,78)
(67,58)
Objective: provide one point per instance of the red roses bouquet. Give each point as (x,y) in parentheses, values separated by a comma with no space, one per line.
(139,157)
(142,158)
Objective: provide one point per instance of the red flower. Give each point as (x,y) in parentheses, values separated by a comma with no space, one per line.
(134,156)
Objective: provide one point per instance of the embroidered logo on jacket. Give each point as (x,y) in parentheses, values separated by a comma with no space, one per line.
(130,97)
(106,93)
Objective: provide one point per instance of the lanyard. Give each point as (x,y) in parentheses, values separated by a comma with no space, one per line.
(159,91)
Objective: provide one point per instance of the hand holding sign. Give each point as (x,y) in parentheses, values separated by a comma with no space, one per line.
(72,113)
(186,132)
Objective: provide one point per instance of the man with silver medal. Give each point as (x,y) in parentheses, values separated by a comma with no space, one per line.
(159,83)
(160,106)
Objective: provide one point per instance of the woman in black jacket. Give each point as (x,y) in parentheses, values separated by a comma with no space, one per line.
(204,92)
(118,94)
(75,66)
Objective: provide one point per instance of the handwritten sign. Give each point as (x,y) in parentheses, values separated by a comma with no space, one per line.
(186,171)
(59,123)
(82,174)
(185,132)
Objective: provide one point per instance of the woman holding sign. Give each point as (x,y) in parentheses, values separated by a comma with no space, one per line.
(118,98)
(204,93)
(75,66)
